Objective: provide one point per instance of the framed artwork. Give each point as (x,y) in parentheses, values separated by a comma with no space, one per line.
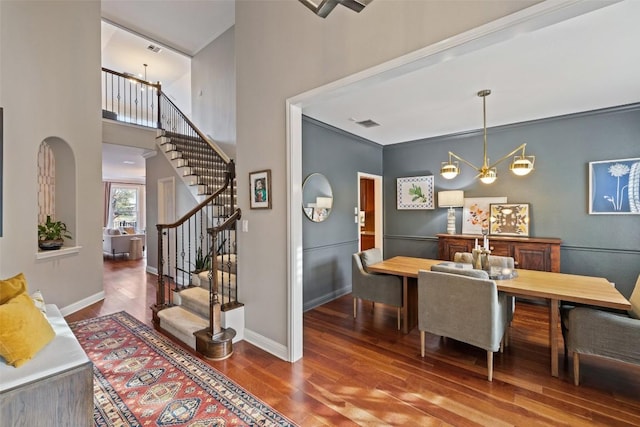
(260,189)
(415,192)
(509,219)
(614,187)
(475,213)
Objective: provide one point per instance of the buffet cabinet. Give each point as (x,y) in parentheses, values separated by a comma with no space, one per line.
(529,253)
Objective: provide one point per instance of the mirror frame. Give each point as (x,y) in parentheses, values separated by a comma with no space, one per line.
(315,213)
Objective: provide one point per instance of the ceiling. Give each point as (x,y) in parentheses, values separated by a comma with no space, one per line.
(581,64)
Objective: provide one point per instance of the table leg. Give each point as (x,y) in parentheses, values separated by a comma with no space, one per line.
(553,334)
(405,305)
(409,303)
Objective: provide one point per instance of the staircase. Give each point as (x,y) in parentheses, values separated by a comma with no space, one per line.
(196,297)
(188,317)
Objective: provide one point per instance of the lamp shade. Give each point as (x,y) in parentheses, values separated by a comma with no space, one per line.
(451,199)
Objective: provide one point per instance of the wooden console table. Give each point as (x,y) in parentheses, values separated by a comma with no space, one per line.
(530,253)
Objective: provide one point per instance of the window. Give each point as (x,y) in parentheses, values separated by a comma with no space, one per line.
(126,207)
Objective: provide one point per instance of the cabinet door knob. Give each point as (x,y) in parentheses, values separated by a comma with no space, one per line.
(490,248)
(515,262)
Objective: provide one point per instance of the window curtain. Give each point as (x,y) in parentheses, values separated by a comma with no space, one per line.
(107,209)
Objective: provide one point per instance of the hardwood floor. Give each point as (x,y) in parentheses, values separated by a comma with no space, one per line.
(365,372)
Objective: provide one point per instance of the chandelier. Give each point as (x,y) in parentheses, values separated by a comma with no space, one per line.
(521,165)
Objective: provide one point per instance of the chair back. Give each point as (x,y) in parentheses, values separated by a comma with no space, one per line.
(634,299)
(464,308)
(494,260)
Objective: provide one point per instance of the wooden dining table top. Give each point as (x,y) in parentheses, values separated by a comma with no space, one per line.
(529,283)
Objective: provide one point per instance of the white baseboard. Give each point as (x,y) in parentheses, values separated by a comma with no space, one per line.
(152,270)
(72,308)
(266,344)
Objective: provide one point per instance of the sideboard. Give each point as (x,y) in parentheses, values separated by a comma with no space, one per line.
(530,253)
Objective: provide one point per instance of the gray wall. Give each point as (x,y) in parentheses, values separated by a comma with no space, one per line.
(558,189)
(213,89)
(328,245)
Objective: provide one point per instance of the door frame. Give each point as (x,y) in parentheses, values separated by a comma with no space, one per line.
(378,208)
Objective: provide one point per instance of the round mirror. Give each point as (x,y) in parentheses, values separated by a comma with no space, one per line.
(317,197)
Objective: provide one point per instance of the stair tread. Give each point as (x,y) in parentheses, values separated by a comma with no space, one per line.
(182,319)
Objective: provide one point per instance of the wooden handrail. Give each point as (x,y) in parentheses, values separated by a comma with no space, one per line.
(220,153)
(127,76)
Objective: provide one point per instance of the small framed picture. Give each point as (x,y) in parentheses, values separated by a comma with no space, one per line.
(415,192)
(614,187)
(509,219)
(260,189)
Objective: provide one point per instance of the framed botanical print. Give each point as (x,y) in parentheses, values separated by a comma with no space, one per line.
(260,189)
(415,192)
(475,213)
(614,187)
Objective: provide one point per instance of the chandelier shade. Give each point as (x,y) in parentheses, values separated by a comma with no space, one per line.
(521,165)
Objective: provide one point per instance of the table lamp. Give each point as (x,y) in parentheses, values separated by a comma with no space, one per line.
(451,199)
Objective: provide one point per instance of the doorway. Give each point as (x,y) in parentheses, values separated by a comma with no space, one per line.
(370,211)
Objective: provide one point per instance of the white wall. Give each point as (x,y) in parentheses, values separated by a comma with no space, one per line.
(282,49)
(213,86)
(50,87)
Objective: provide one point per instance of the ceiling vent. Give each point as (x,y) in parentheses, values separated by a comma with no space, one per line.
(154,48)
(368,123)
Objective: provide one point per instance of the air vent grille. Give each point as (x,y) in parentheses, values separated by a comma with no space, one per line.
(154,48)
(368,123)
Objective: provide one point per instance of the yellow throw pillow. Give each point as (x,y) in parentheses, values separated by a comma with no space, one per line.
(10,288)
(23,330)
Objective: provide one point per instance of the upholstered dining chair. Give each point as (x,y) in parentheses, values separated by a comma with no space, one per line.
(494,261)
(463,308)
(603,333)
(371,286)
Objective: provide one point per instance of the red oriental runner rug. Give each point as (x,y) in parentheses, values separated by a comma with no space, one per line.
(142,378)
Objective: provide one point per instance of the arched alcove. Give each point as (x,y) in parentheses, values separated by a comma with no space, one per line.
(57,184)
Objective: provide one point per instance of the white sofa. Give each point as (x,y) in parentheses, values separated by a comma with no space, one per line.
(54,388)
(115,242)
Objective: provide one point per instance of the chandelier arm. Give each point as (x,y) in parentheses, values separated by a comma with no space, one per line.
(463,160)
(505,157)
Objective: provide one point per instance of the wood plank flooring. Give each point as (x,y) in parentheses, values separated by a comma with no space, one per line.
(365,372)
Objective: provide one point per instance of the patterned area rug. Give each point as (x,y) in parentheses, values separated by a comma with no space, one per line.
(142,378)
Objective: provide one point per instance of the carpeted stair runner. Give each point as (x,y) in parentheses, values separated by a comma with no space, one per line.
(182,323)
(196,300)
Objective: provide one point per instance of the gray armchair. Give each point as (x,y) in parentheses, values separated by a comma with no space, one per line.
(494,261)
(603,333)
(382,288)
(464,308)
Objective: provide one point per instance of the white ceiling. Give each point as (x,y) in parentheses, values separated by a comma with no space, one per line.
(585,63)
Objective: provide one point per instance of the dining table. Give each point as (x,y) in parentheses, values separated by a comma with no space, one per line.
(546,286)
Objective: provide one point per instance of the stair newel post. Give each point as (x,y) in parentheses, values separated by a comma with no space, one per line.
(214,304)
(160,303)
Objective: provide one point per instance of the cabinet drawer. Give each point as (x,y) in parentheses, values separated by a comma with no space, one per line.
(499,248)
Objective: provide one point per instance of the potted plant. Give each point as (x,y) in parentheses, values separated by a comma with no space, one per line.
(201,263)
(51,234)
